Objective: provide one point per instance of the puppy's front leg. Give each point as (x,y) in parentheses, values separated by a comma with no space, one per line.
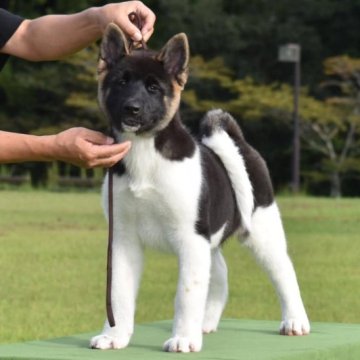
(194,272)
(127,268)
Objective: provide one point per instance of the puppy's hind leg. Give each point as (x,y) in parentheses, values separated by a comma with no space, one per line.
(218,292)
(267,242)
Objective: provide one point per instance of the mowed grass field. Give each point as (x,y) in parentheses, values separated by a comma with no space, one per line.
(53,261)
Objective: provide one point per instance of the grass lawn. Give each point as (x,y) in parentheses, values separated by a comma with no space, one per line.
(53,261)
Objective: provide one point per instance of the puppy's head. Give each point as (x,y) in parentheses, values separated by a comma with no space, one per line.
(139,91)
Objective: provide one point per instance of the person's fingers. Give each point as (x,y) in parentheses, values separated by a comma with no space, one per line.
(132,31)
(87,148)
(148,19)
(109,162)
(95,137)
(106,151)
(105,155)
(148,35)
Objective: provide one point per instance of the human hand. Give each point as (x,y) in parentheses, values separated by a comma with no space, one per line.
(87,148)
(119,14)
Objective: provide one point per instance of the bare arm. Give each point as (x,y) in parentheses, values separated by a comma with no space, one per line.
(54,36)
(78,146)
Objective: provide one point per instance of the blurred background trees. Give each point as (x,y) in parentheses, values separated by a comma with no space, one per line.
(234,66)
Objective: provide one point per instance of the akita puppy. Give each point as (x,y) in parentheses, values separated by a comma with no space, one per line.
(181,196)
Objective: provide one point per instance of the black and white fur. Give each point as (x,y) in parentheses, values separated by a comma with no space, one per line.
(177,195)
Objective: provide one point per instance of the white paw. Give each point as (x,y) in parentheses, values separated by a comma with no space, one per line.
(209,326)
(295,327)
(182,344)
(104,342)
(209,329)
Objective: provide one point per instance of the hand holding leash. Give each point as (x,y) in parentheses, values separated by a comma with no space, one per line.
(137,21)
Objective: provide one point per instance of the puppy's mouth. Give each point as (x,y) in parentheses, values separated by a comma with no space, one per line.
(130,125)
(136,125)
(130,128)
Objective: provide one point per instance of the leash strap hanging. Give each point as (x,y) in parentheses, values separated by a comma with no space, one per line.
(136,20)
(109,310)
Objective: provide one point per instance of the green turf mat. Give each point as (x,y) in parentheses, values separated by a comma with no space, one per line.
(235,340)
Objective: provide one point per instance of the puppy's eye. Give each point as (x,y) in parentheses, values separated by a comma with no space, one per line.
(123,80)
(152,85)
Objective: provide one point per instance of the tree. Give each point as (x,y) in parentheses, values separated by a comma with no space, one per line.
(328,127)
(340,135)
(246,34)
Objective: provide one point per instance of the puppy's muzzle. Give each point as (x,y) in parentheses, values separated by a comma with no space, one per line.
(132,108)
(132,111)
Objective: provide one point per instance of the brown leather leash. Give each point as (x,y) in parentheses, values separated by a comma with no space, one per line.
(136,20)
(109,310)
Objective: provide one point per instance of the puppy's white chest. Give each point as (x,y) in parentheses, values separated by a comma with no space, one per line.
(157,197)
(141,189)
(152,219)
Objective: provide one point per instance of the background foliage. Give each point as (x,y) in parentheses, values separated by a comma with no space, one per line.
(234,66)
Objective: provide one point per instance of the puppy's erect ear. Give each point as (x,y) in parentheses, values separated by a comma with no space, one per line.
(114,46)
(175,57)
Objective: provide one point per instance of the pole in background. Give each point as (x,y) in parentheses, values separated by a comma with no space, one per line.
(291,53)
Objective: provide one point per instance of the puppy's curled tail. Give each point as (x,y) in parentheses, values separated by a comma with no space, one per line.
(222,134)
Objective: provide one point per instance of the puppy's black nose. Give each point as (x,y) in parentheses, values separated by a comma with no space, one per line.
(132,108)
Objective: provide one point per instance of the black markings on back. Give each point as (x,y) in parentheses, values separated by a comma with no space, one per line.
(217,203)
(255,165)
